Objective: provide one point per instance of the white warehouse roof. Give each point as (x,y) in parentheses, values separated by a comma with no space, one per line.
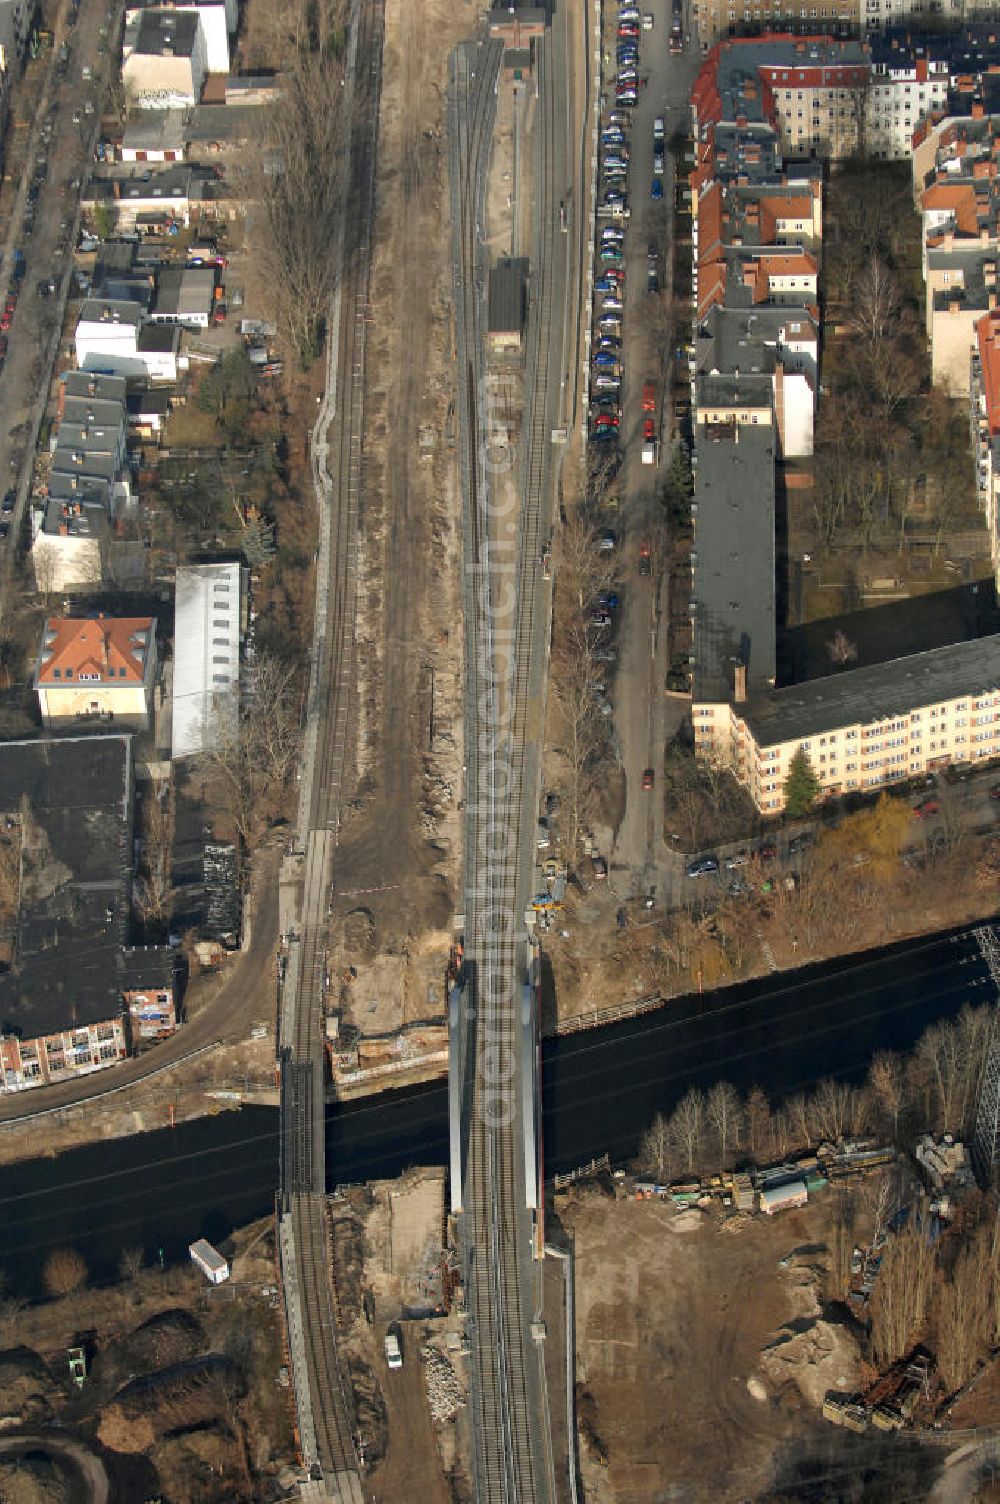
(207,621)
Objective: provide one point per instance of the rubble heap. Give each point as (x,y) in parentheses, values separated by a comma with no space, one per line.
(444,1392)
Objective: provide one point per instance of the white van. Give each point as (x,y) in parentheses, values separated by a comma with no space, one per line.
(393,1350)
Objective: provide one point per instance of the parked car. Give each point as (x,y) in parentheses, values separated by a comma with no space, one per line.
(702,867)
(926,808)
(656,189)
(647,779)
(7,505)
(600,867)
(766,853)
(393,1347)
(738,859)
(606,542)
(995,791)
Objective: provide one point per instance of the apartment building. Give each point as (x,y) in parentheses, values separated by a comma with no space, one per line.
(67,808)
(864,728)
(167,62)
(732,566)
(771,343)
(984,396)
(720,19)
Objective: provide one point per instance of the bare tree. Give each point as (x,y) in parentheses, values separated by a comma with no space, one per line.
(886,1081)
(841,650)
(655,1149)
(153,890)
(901,1298)
(254,745)
(963,1315)
(725,1113)
(130,1262)
(876,302)
(11,1310)
(836,1109)
(64,1272)
(687,1126)
(758,1122)
(294,176)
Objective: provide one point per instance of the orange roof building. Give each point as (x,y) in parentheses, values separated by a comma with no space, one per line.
(97,668)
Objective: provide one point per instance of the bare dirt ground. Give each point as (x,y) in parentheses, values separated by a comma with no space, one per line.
(400,837)
(387,1242)
(214,1420)
(673,1317)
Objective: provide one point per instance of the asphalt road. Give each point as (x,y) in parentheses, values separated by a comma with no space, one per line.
(645,719)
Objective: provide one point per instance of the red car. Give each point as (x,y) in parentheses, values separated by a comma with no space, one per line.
(605,420)
(648,431)
(6,319)
(766,853)
(647,779)
(649,398)
(925,808)
(995,791)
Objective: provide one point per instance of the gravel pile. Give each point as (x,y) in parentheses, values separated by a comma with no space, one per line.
(444,1392)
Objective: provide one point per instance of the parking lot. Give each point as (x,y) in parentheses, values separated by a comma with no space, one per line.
(646,92)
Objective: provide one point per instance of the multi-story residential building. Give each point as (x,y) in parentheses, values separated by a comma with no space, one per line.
(773,343)
(984,384)
(863,728)
(721,19)
(100,669)
(88,483)
(732,565)
(167,62)
(218,18)
(67,807)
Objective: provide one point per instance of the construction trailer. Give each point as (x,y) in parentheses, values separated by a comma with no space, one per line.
(210,1261)
(781,1198)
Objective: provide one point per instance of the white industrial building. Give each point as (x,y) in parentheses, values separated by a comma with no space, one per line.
(208,629)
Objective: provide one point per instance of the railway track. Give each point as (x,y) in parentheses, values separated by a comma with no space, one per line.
(500,662)
(326,1429)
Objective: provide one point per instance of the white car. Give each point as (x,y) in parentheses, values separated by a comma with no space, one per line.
(647,22)
(393,1349)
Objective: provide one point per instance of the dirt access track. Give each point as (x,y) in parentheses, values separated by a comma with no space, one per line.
(400,836)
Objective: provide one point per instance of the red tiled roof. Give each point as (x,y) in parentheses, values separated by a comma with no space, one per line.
(111,648)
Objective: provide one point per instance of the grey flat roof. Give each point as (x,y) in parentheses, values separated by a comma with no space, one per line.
(508,282)
(745,389)
(154,130)
(163,337)
(865,695)
(73,916)
(88,384)
(160,31)
(733,578)
(108,311)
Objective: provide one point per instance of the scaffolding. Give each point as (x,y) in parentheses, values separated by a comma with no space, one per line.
(986,1146)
